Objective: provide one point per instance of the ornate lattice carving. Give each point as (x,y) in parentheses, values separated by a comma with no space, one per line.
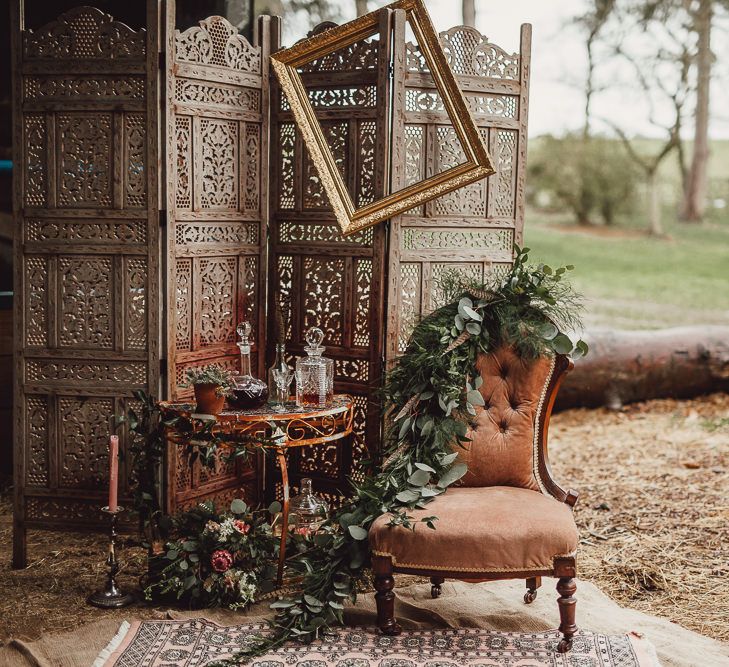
(36,160)
(36,436)
(85,159)
(321,461)
(85,32)
(457,239)
(360,55)
(87,231)
(36,316)
(363,278)
(253,163)
(62,510)
(414,154)
(287,153)
(202,92)
(366,162)
(217,42)
(410,289)
(309,232)
(234,233)
(324,297)
(468,53)
(285,276)
(505,161)
(502,106)
(135,135)
(469,271)
(183,304)
(348,370)
(217,278)
(124,373)
(83,441)
(249,289)
(228,363)
(183,190)
(219,168)
(93,88)
(361,97)
(135,322)
(86,302)
(337,135)
(468,200)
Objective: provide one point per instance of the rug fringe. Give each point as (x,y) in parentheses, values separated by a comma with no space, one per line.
(112,645)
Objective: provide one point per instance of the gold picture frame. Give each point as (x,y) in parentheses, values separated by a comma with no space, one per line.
(476,166)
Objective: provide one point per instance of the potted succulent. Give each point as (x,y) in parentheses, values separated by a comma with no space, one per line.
(211,384)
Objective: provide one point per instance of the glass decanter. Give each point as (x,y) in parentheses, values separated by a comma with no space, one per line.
(307,511)
(276,396)
(248,392)
(314,373)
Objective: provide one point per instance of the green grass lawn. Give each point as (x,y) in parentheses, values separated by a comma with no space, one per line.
(633,281)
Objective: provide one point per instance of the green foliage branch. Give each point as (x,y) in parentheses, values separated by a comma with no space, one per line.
(432,395)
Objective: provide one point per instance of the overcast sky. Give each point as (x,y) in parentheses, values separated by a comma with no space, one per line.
(558,63)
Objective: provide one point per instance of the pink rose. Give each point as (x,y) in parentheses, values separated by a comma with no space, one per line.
(221,560)
(241,526)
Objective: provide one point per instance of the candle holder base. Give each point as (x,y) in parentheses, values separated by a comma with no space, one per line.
(110,599)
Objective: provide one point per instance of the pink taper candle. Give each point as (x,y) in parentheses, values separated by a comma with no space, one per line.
(113,471)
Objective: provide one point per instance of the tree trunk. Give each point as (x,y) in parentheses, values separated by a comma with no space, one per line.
(654,204)
(361,7)
(695,197)
(627,366)
(469,12)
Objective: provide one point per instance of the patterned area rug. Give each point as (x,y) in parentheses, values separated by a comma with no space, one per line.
(197,642)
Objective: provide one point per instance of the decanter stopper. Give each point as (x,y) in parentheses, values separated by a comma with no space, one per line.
(314,338)
(244,331)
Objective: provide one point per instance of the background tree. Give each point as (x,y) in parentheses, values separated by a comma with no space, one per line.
(468,8)
(360,7)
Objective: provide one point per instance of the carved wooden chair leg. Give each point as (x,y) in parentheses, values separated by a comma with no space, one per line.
(385,597)
(435,586)
(532,584)
(566,588)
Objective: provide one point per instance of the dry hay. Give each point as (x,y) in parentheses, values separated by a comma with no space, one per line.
(653,510)
(654,504)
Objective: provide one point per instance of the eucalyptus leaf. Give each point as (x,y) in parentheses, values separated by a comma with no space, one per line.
(357,532)
(238,506)
(475,398)
(473,314)
(424,466)
(452,475)
(419,478)
(562,344)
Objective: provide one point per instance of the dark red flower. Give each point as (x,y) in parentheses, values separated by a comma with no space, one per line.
(221,560)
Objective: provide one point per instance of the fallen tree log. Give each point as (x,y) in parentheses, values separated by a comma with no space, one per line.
(628,366)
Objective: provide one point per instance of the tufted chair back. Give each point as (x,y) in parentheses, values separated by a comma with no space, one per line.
(503,447)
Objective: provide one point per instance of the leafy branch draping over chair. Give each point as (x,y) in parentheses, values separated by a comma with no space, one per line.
(508,518)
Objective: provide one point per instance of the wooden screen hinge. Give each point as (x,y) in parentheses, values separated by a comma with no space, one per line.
(163,60)
(163,218)
(163,367)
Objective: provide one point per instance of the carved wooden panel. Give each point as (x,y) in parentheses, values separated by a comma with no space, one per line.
(217,145)
(472,230)
(333,282)
(87,307)
(217,135)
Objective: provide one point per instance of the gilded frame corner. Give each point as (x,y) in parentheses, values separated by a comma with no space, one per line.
(476,166)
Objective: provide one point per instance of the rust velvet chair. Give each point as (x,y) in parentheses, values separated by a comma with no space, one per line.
(507,518)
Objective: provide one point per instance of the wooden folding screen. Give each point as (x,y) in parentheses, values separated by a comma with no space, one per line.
(217,203)
(472,230)
(86,254)
(335,283)
(134,261)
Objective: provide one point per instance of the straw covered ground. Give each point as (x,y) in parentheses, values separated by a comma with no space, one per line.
(653,514)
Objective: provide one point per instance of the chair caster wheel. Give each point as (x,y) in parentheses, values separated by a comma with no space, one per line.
(564,646)
(529,597)
(435,591)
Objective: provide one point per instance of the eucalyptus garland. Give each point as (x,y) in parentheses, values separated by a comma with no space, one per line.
(431,395)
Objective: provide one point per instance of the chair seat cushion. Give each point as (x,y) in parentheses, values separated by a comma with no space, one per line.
(481,529)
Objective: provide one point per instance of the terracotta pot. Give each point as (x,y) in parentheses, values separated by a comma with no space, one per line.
(208,401)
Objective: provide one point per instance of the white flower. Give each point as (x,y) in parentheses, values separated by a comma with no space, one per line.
(227,529)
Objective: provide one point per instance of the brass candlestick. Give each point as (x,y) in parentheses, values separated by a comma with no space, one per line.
(112,596)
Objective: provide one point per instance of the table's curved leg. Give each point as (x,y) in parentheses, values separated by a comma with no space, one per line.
(281,457)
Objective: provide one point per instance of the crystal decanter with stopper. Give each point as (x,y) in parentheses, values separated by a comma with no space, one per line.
(278,396)
(307,510)
(248,391)
(314,373)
